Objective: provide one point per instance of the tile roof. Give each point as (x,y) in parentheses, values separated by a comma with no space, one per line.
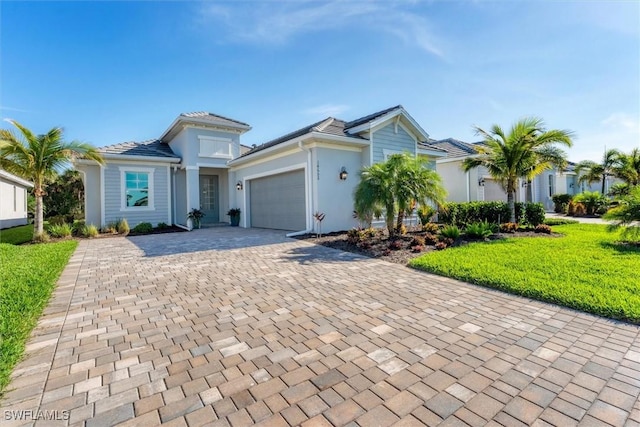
(213,118)
(453,147)
(150,148)
(370,117)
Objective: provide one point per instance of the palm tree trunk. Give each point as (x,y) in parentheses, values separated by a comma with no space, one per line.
(38,214)
(512,206)
(400,222)
(604,181)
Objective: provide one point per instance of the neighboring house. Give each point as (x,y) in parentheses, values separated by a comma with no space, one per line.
(198,162)
(13,200)
(478,185)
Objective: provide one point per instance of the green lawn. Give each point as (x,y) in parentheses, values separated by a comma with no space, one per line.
(584,269)
(27,277)
(17,235)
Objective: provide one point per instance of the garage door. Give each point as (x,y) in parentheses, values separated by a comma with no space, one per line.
(278,201)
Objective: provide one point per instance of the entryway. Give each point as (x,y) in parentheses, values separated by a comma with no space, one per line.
(210,198)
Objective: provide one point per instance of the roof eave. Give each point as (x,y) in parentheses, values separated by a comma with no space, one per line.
(421,133)
(194,120)
(108,156)
(16,179)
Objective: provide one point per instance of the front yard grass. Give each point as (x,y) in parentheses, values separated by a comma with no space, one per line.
(585,269)
(17,235)
(27,278)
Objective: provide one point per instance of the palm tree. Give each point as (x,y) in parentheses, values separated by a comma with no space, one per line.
(526,151)
(590,171)
(393,186)
(628,167)
(38,158)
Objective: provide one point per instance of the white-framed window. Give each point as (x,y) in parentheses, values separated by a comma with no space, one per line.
(15,198)
(215,147)
(552,188)
(136,189)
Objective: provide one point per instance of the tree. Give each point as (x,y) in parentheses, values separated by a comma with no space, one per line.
(526,151)
(38,158)
(627,167)
(591,171)
(64,195)
(391,187)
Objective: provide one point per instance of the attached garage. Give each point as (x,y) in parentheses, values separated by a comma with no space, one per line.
(279,201)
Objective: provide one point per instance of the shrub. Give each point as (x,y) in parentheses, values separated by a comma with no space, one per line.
(418,241)
(461,214)
(543,228)
(417,248)
(395,245)
(560,202)
(479,230)
(430,239)
(441,245)
(534,213)
(450,231)
(89,231)
(576,209)
(430,227)
(355,235)
(77,227)
(619,190)
(110,228)
(592,200)
(63,230)
(123,226)
(57,220)
(41,238)
(509,227)
(425,213)
(143,228)
(162,226)
(627,216)
(560,221)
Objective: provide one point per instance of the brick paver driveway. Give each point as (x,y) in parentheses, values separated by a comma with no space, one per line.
(235,327)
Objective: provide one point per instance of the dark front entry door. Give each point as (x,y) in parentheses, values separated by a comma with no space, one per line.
(209,198)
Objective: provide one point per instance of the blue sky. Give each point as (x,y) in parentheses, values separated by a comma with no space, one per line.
(118,71)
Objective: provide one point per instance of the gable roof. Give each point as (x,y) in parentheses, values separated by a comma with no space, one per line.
(453,147)
(213,118)
(152,148)
(371,117)
(329,126)
(205,119)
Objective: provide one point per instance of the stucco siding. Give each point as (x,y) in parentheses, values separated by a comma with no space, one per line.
(13,198)
(393,142)
(114,196)
(454,180)
(335,197)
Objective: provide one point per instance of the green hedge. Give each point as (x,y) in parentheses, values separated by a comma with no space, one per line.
(462,214)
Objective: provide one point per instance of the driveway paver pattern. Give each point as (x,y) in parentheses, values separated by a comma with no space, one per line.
(234,327)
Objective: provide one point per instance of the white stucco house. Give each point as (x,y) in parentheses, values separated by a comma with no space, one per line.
(478,185)
(13,200)
(199,162)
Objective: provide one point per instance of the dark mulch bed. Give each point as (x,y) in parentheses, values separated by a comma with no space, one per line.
(378,246)
(171,229)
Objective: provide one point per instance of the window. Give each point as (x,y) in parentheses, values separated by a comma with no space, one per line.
(215,147)
(15,198)
(551,185)
(137,189)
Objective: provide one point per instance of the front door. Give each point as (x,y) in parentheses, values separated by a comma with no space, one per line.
(209,200)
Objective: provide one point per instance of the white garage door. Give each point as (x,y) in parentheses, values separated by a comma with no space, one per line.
(278,201)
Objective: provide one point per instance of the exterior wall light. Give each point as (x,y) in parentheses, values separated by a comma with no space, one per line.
(343,174)
(481,182)
(239,186)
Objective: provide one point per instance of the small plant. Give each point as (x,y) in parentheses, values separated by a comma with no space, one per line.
(509,227)
(417,248)
(592,201)
(162,226)
(441,245)
(543,228)
(418,241)
(430,239)
(196,215)
(395,245)
(234,216)
(479,230)
(60,231)
(319,216)
(430,227)
(450,231)
(425,213)
(355,235)
(143,228)
(89,231)
(386,252)
(41,238)
(110,228)
(122,226)
(627,216)
(561,202)
(76,228)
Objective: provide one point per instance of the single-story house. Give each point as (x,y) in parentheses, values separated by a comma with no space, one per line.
(199,163)
(478,185)
(13,200)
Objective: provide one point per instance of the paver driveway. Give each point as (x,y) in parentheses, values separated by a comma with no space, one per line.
(235,327)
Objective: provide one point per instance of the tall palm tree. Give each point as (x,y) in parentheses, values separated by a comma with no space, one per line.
(38,158)
(526,151)
(393,186)
(590,171)
(628,167)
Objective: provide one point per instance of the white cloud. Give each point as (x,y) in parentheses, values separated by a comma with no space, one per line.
(274,22)
(618,130)
(325,110)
